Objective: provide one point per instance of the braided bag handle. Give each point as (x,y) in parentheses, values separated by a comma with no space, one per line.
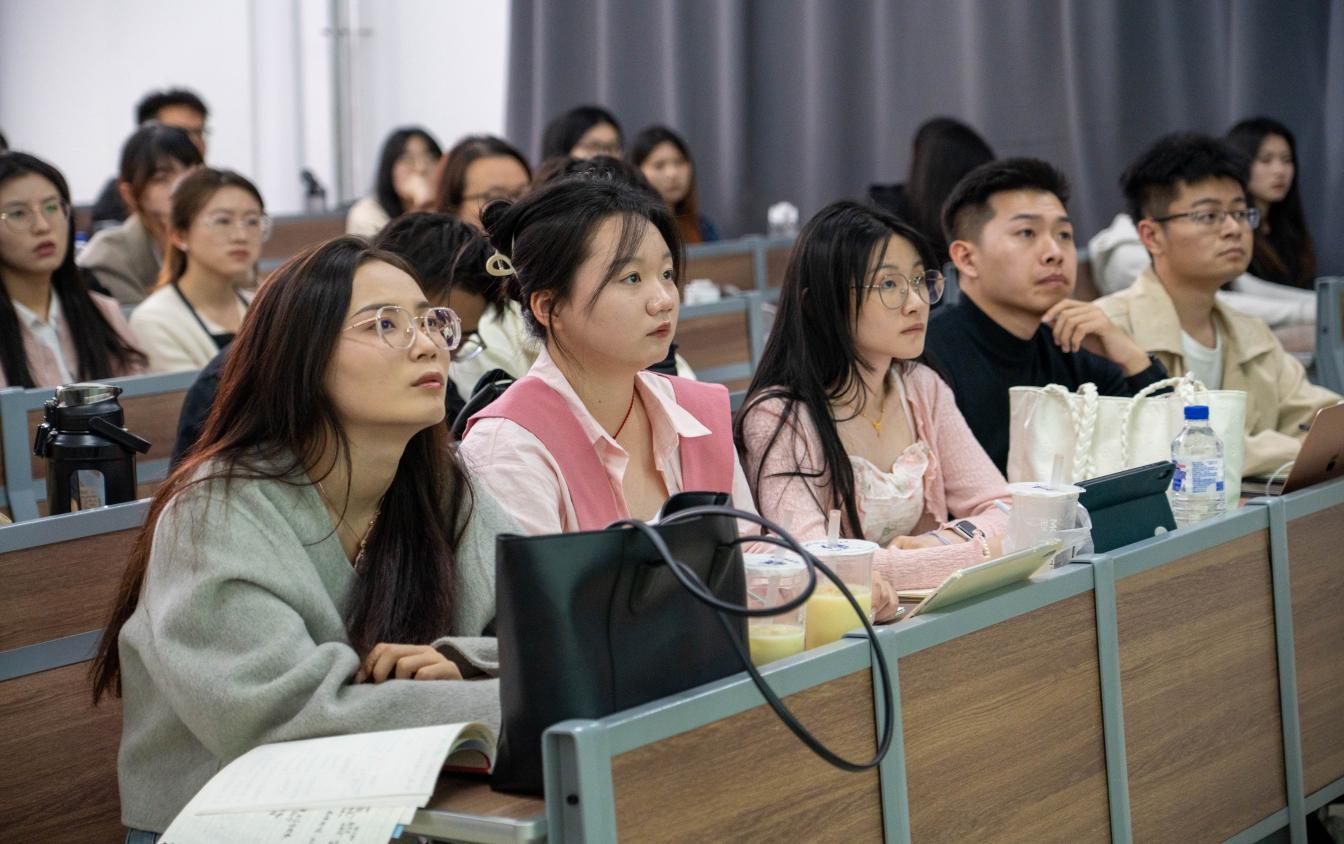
(1083,415)
(1185,387)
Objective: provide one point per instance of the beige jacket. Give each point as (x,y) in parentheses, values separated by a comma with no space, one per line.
(1279,398)
(125,260)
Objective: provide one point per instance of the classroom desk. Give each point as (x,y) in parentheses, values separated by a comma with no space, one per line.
(1185,688)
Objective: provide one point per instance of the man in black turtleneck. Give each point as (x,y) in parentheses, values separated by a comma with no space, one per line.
(1015,325)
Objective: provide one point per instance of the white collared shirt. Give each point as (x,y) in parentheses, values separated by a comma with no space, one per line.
(46,333)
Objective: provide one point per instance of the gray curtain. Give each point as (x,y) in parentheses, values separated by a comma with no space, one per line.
(813,100)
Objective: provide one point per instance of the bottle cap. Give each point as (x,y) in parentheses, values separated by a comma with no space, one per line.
(1196,411)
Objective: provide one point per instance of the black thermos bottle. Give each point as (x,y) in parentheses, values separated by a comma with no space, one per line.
(82,431)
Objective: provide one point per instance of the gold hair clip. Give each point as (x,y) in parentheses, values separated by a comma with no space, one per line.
(499,265)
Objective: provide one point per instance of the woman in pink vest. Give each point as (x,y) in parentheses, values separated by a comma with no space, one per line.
(588,436)
(841,413)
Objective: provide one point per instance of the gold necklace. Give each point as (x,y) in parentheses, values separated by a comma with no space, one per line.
(363,540)
(881,409)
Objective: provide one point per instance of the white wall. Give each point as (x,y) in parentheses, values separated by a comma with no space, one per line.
(71,72)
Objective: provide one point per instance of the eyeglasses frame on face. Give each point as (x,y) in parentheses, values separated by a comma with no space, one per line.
(416,319)
(1243,216)
(475,350)
(612,149)
(921,282)
(267,227)
(63,208)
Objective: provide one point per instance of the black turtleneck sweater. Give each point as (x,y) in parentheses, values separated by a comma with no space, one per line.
(981,359)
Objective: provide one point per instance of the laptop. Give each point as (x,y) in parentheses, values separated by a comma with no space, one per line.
(976,580)
(1321,458)
(1128,506)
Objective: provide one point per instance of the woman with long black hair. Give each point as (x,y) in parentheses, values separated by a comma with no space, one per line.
(307,562)
(842,414)
(404,181)
(53,329)
(1284,251)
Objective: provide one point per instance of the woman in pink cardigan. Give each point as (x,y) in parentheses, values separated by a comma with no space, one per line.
(841,415)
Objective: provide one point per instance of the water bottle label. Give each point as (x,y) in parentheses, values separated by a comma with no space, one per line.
(1198,476)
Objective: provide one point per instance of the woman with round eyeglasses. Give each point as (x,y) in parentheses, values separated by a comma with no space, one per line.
(53,329)
(319,563)
(842,414)
(216,228)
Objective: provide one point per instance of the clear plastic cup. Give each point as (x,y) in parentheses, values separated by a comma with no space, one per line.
(772,580)
(829,614)
(1041,512)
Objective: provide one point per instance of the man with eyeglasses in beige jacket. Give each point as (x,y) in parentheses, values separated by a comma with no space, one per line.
(1187,193)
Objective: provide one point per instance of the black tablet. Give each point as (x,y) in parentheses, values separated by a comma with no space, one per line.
(1128,506)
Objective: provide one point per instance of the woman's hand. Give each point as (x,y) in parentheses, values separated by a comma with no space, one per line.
(926,540)
(388,661)
(884,599)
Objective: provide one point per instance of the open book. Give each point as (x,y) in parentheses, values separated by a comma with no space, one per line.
(348,789)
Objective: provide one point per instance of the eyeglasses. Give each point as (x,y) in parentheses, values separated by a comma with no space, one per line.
(20,218)
(253,226)
(1209,219)
(396,326)
(893,291)
(471,347)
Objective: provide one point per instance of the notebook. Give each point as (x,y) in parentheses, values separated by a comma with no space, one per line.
(301,792)
(994,574)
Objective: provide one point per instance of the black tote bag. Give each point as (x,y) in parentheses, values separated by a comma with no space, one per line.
(595,622)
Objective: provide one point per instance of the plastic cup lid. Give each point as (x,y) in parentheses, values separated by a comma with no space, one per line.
(1040,490)
(780,564)
(842,547)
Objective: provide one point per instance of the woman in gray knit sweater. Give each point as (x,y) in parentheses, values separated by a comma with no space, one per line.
(299,570)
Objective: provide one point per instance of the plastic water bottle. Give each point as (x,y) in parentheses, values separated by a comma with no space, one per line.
(1197,484)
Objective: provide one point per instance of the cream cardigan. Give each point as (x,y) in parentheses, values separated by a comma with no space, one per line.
(170,335)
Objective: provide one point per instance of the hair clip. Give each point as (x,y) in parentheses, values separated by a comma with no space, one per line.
(499,265)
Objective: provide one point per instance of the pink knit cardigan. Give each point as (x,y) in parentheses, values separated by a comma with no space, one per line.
(960,483)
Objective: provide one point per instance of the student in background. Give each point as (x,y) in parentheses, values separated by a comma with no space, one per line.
(174,107)
(478,170)
(405,181)
(217,227)
(589,436)
(127,259)
(1011,239)
(321,557)
(1188,194)
(944,150)
(53,329)
(841,414)
(582,132)
(664,159)
(1284,251)
(450,257)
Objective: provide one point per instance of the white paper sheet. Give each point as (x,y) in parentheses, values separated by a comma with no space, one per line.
(311,826)
(393,768)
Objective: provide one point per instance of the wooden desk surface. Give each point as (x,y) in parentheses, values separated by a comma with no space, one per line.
(473,796)
(1199,678)
(1003,731)
(1317,580)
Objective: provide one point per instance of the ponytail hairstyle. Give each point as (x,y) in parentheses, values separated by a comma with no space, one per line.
(100,351)
(547,235)
(810,360)
(190,197)
(274,422)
